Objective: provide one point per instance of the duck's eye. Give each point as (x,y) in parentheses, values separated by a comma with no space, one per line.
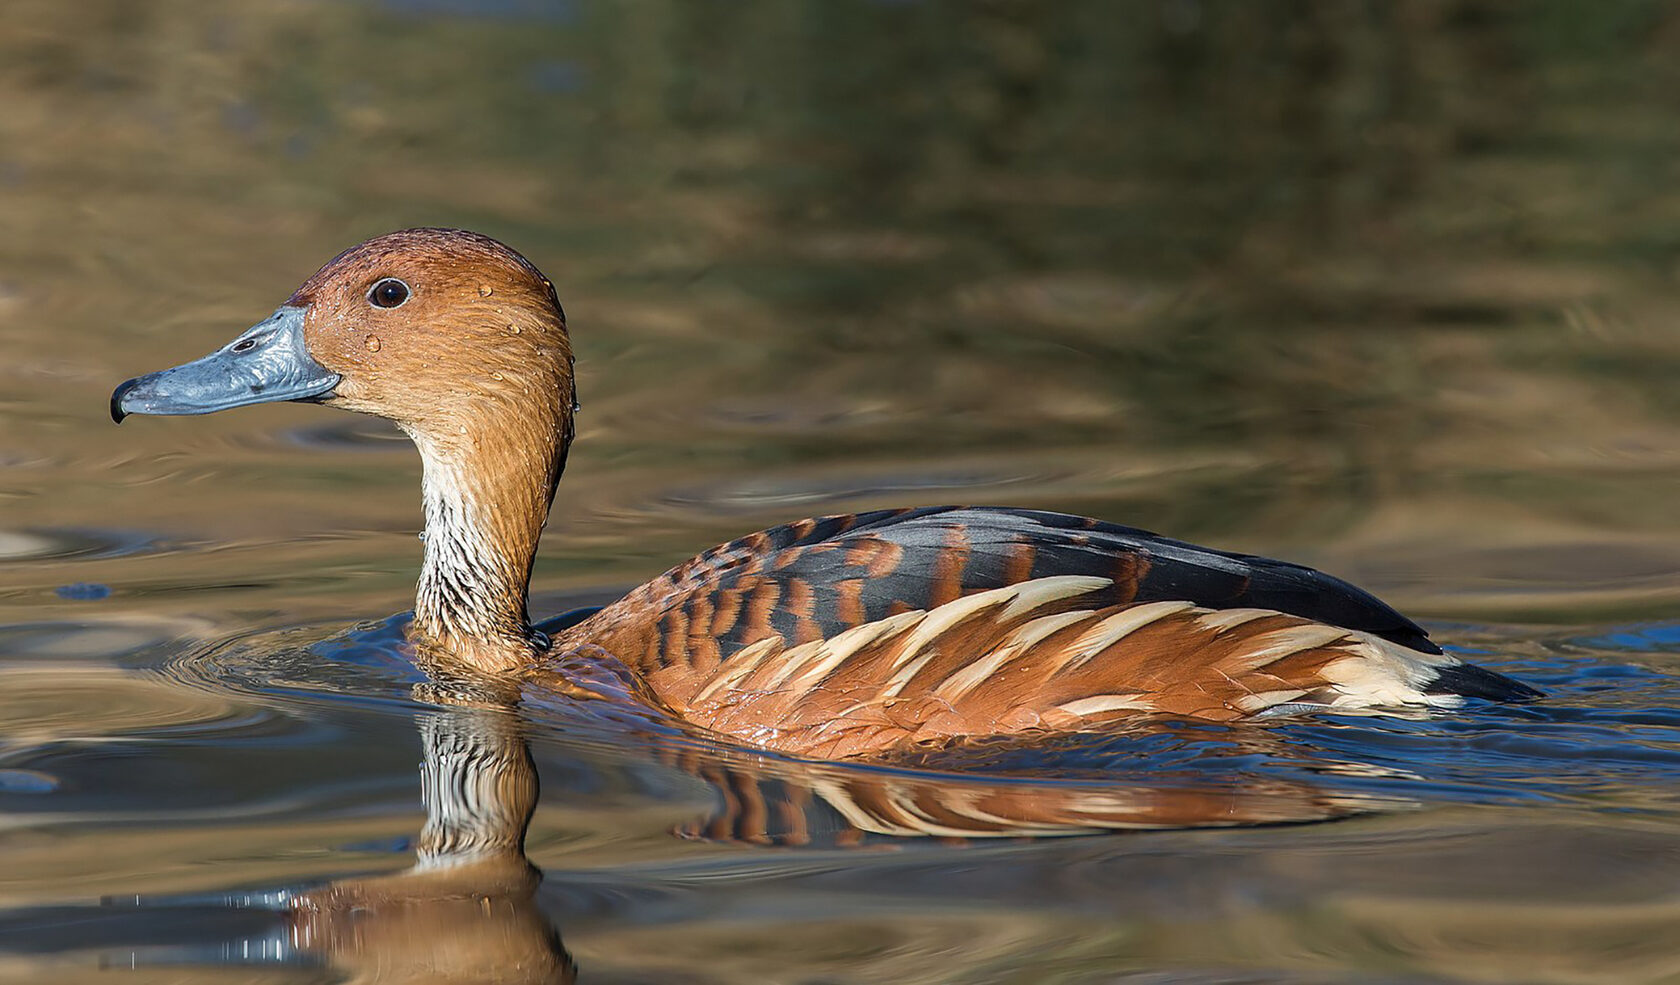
(388,293)
(244,345)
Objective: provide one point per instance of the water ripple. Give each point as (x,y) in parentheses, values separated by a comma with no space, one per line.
(79,543)
(363,663)
(49,703)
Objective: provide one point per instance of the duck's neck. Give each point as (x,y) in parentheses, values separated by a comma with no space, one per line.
(487,493)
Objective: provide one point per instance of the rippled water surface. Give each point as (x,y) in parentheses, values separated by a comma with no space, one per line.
(1388,289)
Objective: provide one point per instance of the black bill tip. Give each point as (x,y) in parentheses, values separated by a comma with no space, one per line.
(117,412)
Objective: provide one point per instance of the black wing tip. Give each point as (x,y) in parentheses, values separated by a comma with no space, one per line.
(1409,635)
(1472,681)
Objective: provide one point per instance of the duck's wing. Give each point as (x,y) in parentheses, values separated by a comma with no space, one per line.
(850,636)
(1037,657)
(815,578)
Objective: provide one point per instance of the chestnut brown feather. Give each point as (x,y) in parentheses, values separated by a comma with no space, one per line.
(911,679)
(1112,623)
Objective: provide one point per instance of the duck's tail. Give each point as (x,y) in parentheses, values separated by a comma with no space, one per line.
(1472,681)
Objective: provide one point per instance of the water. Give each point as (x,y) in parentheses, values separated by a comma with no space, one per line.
(1388,290)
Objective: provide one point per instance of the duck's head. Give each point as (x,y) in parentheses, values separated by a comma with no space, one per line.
(429,328)
(461,342)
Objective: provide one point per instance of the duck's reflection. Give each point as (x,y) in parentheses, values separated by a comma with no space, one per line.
(762,800)
(466,911)
(468,908)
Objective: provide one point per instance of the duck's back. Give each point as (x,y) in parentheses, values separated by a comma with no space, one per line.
(898,625)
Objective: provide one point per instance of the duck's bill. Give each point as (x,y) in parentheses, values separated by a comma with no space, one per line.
(268,363)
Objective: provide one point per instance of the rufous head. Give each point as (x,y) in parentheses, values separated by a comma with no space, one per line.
(461,342)
(443,331)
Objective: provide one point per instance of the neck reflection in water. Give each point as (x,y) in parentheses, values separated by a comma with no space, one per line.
(467,910)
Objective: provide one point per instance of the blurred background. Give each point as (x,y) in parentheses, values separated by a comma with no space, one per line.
(1384,286)
(1389,288)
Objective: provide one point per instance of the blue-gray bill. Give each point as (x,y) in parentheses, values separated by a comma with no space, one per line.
(268,363)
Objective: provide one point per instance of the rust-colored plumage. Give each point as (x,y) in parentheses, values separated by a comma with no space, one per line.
(1038,656)
(938,625)
(843,636)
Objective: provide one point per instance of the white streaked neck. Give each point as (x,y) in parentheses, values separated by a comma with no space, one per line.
(470,600)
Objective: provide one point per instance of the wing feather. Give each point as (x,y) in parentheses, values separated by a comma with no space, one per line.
(816,578)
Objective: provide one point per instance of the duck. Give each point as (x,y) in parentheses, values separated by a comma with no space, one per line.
(845,637)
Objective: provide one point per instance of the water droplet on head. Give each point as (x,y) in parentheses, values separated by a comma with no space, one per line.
(497,376)
(485,290)
(515,329)
(372,343)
